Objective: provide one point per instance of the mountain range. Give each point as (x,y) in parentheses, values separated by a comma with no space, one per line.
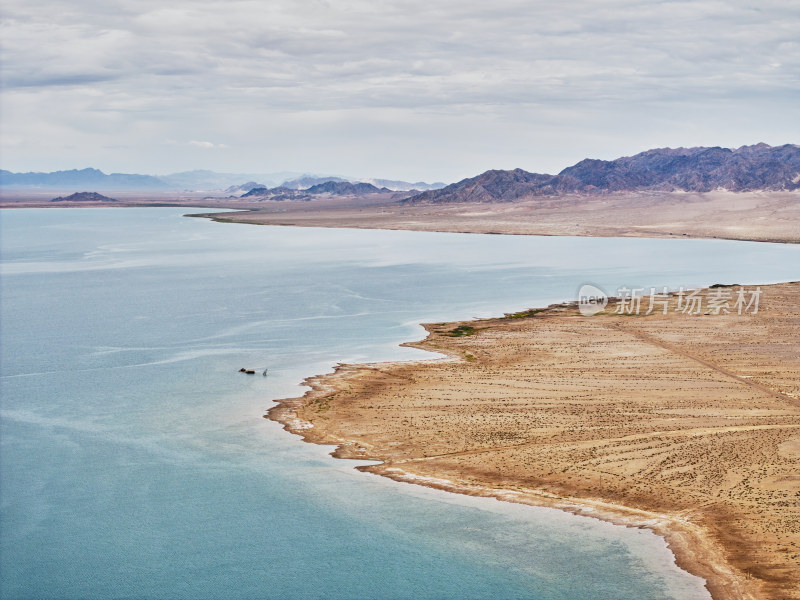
(701,169)
(199,180)
(81,179)
(330,188)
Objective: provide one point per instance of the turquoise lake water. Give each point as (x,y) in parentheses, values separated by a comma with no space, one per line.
(134,459)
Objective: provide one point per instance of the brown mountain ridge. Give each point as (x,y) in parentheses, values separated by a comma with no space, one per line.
(701,169)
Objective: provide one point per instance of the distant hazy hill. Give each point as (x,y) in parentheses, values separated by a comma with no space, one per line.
(404,186)
(345,188)
(81,178)
(306,181)
(204,180)
(333,188)
(263,191)
(244,187)
(84,197)
(199,180)
(749,168)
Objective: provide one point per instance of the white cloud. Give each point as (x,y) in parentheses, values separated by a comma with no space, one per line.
(206,145)
(437,89)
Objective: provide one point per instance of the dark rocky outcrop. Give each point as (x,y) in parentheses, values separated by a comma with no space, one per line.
(342,188)
(84,197)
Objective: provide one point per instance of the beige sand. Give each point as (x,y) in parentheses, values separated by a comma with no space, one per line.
(762,216)
(689,425)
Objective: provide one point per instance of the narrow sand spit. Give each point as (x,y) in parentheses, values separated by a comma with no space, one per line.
(758,216)
(685,424)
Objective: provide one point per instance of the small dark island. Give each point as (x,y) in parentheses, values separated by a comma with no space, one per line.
(84,197)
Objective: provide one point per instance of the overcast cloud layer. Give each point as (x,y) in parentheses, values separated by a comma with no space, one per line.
(401,89)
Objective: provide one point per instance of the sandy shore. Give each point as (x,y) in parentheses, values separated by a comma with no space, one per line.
(686,424)
(758,216)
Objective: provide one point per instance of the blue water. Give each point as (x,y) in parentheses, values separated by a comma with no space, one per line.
(134,459)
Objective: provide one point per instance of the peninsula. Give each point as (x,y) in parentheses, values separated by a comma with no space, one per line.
(685,423)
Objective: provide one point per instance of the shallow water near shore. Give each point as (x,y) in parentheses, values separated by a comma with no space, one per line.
(134,459)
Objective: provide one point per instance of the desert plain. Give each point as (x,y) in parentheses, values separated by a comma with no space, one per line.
(688,424)
(757,216)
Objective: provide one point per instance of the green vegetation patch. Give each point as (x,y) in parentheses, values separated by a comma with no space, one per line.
(461,331)
(524,314)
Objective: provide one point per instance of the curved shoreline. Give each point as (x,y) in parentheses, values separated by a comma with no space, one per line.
(745,216)
(696,549)
(692,550)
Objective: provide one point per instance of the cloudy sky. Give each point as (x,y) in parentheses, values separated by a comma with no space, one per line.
(431,90)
